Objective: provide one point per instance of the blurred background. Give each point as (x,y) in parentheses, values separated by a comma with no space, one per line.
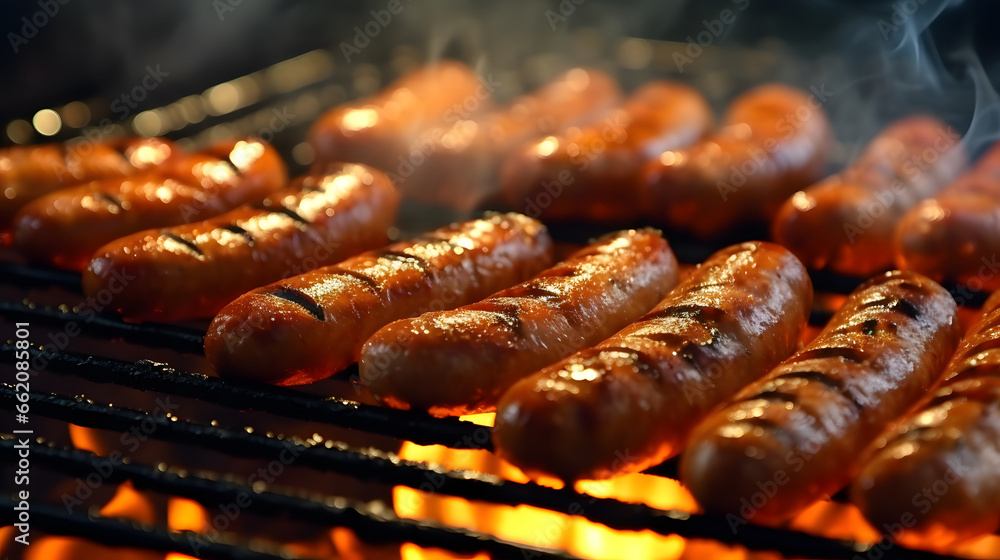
(199,69)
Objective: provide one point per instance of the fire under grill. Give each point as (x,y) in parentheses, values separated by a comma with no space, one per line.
(98,380)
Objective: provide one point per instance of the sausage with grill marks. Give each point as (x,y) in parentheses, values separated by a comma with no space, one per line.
(460,361)
(936,478)
(66,227)
(774,140)
(379,129)
(798,434)
(29,172)
(193,270)
(845,223)
(629,402)
(955,236)
(591,173)
(308,327)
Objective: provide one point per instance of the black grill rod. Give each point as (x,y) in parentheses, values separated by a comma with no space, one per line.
(57,521)
(155,335)
(387,468)
(381,528)
(36,277)
(145,375)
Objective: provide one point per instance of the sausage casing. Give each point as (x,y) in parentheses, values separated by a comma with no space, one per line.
(378,130)
(29,172)
(774,140)
(845,223)
(308,327)
(460,361)
(629,402)
(66,227)
(955,236)
(456,165)
(193,270)
(591,173)
(796,435)
(935,480)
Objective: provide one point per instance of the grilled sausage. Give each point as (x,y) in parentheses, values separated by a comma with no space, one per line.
(629,402)
(935,480)
(28,172)
(66,227)
(774,140)
(796,435)
(460,361)
(590,173)
(845,223)
(193,270)
(379,130)
(955,237)
(457,165)
(311,326)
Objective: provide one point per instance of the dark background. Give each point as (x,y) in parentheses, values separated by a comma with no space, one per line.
(940,56)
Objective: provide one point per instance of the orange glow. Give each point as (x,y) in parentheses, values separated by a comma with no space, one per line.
(131,504)
(186,515)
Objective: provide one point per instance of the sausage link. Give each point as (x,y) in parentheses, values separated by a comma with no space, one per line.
(845,223)
(29,172)
(955,237)
(194,270)
(379,130)
(774,141)
(629,402)
(796,435)
(311,326)
(457,165)
(66,227)
(460,361)
(935,480)
(591,173)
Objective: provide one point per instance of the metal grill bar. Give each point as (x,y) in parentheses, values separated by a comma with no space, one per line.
(388,469)
(32,277)
(369,526)
(151,376)
(152,335)
(56,521)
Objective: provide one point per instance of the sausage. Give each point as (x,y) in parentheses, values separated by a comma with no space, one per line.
(774,140)
(456,165)
(310,326)
(629,402)
(28,172)
(193,270)
(935,480)
(460,361)
(797,435)
(955,237)
(65,228)
(845,223)
(378,130)
(591,173)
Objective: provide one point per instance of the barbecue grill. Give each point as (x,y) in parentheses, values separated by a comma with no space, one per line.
(310,472)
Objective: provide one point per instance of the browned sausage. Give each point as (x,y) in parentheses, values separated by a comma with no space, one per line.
(590,173)
(845,223)
(194,270)
(955,237)
(775,140)
(308,327)
(28,172)
(629,402)
(460,361)
(66,227)
(935,480)
(798,434)
(457,164)
(378,130)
